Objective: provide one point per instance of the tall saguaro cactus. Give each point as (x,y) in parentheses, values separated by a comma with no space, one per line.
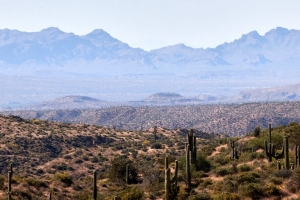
(95,186)
(192,146)
(235,154)
(127,174)
(297,156)
(188,165)
(10,173)
(270,135)
(270,151)
(154,132)
(269,147)
(170,184)
(286,152)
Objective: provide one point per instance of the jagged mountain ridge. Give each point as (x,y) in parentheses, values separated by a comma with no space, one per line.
(39,66)
(52,46)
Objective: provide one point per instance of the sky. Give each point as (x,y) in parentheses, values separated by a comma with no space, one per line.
(152,24)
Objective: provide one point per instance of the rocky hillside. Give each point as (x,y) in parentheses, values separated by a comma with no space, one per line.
(60,158)
(230,119)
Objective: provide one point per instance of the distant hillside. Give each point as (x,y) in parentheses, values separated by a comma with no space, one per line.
(284,93)
(70,102)
(231,119)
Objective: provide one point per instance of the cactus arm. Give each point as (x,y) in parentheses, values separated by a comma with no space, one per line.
(174,179)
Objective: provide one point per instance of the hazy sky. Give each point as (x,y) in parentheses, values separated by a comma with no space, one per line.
(151,24)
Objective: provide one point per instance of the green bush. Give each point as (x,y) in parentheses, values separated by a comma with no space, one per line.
(63,177)
(252,190)
(224,171)
(35,182)
(157,145)
(117,172)
(200,196)
(202,164)
(250,177)
(132,193)
(244,168)
(228,196)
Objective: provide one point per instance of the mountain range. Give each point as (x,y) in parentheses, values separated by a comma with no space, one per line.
(39,66)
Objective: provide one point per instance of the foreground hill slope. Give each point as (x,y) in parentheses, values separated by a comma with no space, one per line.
(60,158)
(231,119)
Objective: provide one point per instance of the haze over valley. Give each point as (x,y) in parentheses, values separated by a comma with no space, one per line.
(41,66)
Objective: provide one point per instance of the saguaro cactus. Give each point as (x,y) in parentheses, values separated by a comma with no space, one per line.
(270,151)
(9,185)
(10,173)
(193,146)
(154,132)
(270,148)
(170,184)
(95,186)
(127,174)
(297,156)
(188,165)
(278,165)
(235,154)
(270,135)
(286,152)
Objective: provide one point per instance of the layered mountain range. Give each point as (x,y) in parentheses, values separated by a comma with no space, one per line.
(53,47)
(43,65)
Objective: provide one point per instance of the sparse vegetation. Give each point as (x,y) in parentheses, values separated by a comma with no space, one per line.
(131,165)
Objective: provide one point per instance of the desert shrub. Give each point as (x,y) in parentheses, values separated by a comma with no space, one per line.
(78,161)
(84,157)
(228,196)
(67,157)
(250,177)
(94,159)
(252,190)
(276,180)
(78,153)
(117,171)
(200,196)
(63,177)
(183,193)
(271,190)
(244,168)
(230,184)
(224,171)
(283,174)
(256,131)
(206,183)
(157,145)
(253,155)
(60,166)
(220,159)
(132,193)
(207,150)
(295,180)
(202,164)
(35,182)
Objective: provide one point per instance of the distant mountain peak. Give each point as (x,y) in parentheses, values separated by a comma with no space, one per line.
(51,30)
(278,31)
(98,32)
